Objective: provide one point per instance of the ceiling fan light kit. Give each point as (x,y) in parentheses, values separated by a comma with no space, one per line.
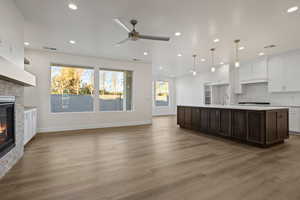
(133,35)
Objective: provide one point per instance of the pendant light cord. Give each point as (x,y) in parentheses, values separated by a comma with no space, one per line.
(212,57)
(237,43)
(194,67)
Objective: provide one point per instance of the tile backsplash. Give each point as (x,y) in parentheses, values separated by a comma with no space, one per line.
(258,92)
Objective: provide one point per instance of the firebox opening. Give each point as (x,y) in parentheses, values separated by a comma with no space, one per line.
(7,124)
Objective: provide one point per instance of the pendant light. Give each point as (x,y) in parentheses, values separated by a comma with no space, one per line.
(213,69)
(237,60)
(194,66)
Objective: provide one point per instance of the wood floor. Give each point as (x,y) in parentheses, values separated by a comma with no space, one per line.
(152,162)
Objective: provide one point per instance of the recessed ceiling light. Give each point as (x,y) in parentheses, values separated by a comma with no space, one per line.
(177,34)
(73,6)
(242,48)
(26,43)
(221,63)
(203,59)
(216,40)
(72,42)
(261,54)
(213,69)
(179,55)
(145,53)
(292,9)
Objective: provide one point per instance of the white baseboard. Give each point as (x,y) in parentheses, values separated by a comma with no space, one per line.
(94,126)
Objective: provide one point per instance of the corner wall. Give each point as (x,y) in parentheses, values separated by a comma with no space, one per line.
(40,95)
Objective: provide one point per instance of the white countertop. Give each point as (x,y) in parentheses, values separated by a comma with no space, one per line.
(238,107)
(28,108)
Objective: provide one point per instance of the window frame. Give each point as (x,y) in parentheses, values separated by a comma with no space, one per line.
(49,87)
(124,82)
(154,96)
(96,79)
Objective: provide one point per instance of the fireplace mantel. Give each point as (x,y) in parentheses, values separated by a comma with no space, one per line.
(10,72)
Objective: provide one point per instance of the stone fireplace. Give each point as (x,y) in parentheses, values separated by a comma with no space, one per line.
(11,124)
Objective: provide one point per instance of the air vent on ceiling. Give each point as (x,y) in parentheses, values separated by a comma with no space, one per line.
(50,48)
(270,46)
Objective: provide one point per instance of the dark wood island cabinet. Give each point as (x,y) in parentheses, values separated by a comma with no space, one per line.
(263,126)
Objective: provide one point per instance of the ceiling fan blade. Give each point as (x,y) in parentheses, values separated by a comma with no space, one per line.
(122,25)
(123,41)
(150,37)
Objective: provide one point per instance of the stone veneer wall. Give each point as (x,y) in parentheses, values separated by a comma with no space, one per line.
(10,159)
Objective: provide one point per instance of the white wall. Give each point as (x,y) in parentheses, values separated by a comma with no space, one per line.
(190,89)
(11,33)
(40,95)
(165,110)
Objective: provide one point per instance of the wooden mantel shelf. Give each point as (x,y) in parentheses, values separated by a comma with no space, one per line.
(11,72)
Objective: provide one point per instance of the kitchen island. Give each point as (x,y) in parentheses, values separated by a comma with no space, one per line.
(262,126)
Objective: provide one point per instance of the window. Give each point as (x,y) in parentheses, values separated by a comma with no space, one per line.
(71,89)
(162,93)
(115,90)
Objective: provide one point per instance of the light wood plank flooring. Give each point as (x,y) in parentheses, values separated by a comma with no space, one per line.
(152,162)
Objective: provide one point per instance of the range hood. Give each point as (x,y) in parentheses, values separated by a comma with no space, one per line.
(253,81)
(9,71)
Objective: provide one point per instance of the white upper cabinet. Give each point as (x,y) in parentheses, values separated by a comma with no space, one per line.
(284,72)
(276,82)
(255,71)
(237,84)
(292,72)
(245,72)
(259,69)
(220,76)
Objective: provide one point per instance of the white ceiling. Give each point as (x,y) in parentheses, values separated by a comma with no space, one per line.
(256,22)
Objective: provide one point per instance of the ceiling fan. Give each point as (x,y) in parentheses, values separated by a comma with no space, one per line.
(133,35)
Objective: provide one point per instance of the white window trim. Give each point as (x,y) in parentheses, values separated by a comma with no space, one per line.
(124,102)
(49,88)
(96,83)
(154,96)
